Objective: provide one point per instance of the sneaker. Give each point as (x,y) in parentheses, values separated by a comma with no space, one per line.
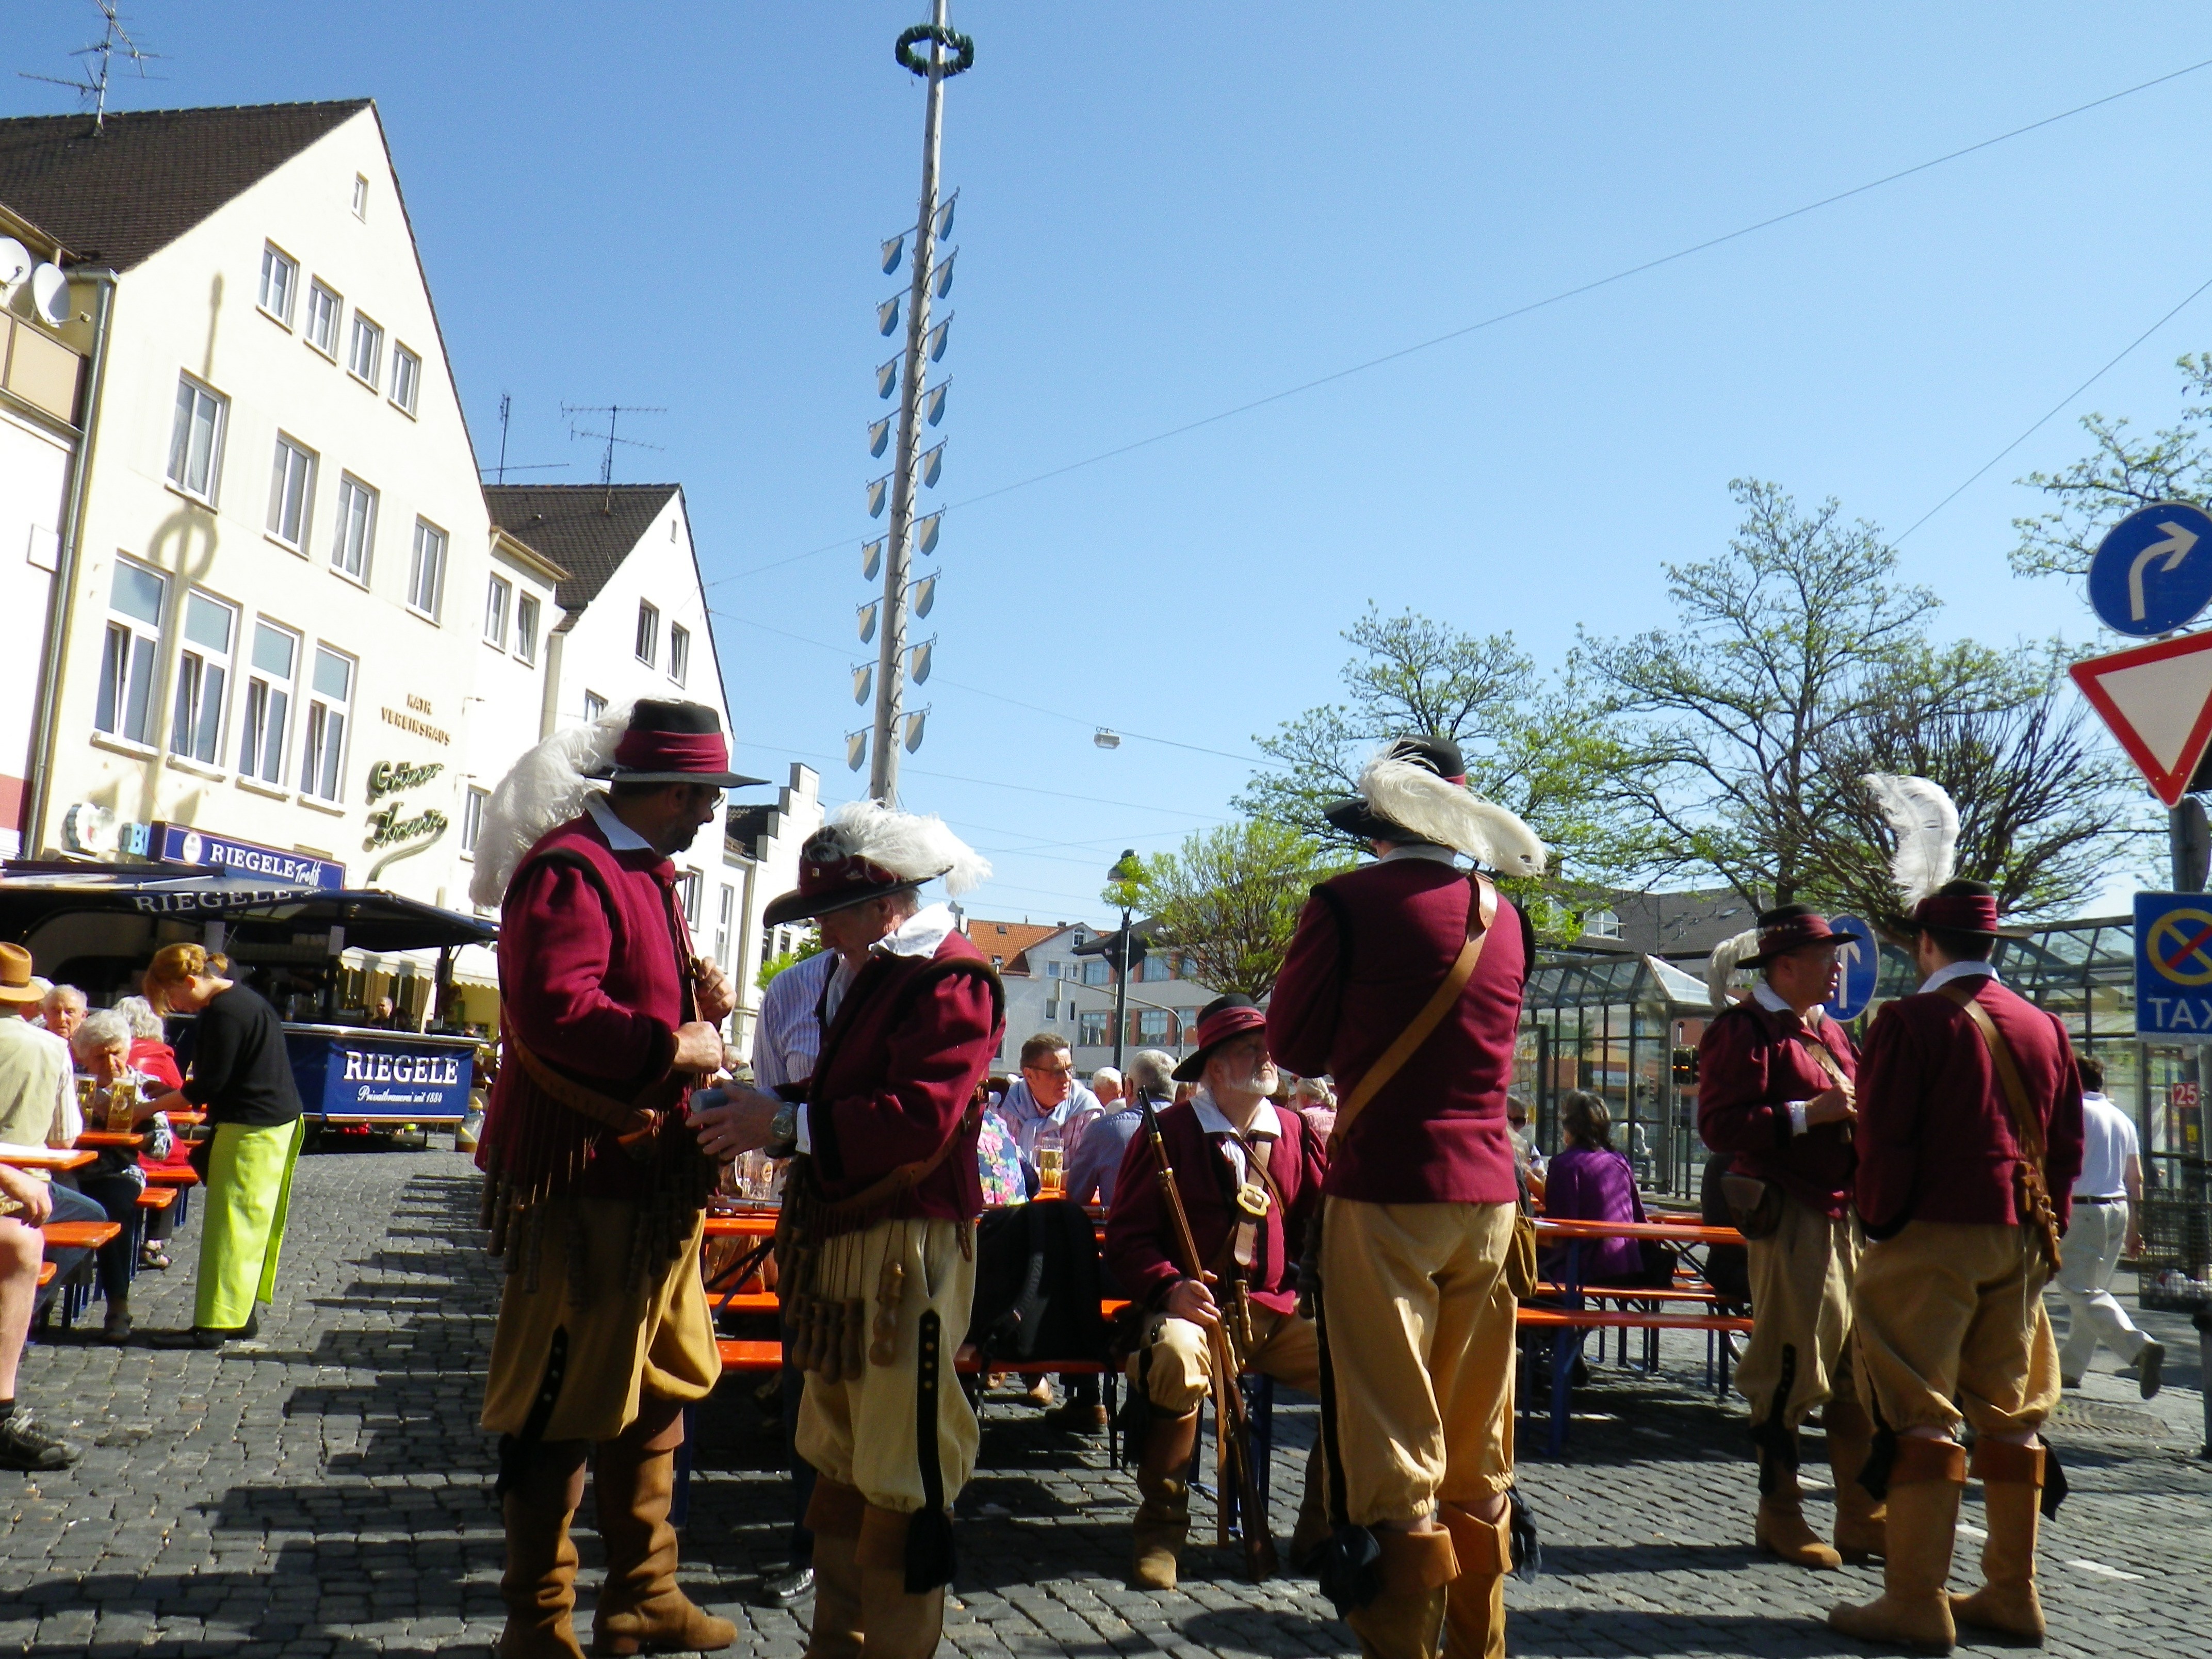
(2149,1363)
(783,1589)
(25,1445)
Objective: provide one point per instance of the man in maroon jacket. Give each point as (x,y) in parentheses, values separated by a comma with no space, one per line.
(596,1187)
(1250,1178)
(1774,1088)
(1417,1317)
(880,1212)
(1962,1215)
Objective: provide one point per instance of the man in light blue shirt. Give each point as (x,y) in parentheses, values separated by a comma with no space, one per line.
(1048,1096)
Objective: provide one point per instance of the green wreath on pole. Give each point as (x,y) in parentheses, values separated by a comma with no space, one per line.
(951,41)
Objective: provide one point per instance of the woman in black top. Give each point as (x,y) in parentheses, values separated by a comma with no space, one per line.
(241,1076)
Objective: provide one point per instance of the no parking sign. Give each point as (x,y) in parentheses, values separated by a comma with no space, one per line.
(2174,966)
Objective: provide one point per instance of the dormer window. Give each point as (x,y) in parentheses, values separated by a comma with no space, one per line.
(1601,924)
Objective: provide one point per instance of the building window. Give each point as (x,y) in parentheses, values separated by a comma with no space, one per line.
(1152,1027)
(497,600)
(723,916)
(1601,924)
(280,282)
(691,885)
(472,810)
(1096,970)
(426,571)
(1090,1028)
(323,305)
(268,703)
(291,492)
(525,628)
(356,536)
(330,699)
(649,634)
(133,648)
(406,377)
(196,439)
(360,197)
(202,673)
(679,651)
(594,705)
(365,353)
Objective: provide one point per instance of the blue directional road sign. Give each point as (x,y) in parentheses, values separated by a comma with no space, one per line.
(2153,571)
(2174,965)
(1858,962)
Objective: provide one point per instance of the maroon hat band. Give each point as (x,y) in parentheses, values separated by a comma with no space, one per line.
(1796,934)
(1959,912)
(1227,1023)
(704,752)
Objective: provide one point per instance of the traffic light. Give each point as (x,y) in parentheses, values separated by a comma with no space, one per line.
(1685,1068)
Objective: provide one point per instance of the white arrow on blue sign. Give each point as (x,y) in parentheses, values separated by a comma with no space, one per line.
(2153,571)
(1858,966)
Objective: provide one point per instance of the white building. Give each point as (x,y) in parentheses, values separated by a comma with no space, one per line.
(274,594)
(1050,988)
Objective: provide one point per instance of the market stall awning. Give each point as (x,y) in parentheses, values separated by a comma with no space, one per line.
(32,894)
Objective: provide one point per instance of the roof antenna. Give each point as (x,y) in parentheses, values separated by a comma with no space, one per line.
(614,412)
(113,39)
(500,472)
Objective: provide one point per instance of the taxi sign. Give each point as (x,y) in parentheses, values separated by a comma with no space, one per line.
(2174,966)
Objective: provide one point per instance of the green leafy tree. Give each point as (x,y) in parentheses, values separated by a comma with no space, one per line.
(1775,646)
(1229,899)
(1527,741)
(2122,471)
(809,945)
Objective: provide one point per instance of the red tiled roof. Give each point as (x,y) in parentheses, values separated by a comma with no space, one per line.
(1007,940)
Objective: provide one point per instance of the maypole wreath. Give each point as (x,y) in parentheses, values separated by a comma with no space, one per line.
(950,39)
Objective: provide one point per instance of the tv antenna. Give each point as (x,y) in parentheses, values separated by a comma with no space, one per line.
(500,471)
(114,38)
(614,412)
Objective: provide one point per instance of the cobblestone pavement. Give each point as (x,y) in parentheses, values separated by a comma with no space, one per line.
(325,1490)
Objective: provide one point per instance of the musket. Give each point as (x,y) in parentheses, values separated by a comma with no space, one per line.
(1232,1429)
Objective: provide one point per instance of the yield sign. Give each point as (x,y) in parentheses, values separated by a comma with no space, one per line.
(2158,700)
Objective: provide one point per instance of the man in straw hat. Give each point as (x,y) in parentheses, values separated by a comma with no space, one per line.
(1969,1139)
(1250,1178)
(1403,983)
(596,1180)
(1774,1089)
(876,1246)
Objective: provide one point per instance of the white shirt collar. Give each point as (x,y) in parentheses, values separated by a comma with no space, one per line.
(1417,849)
(919,934)
(620,836)
(1771,1000)
(1211,1118)
(1943,975)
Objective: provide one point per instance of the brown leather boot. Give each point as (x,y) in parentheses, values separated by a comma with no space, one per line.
(1164,1517)
(1924,1484)
(1406,1620)
(2011,1498)
(539,1584)
(640,1609)
(1312,1530)
(896,1625)
(1779,1528)
(1474,1604)
(833,1516)
(1861,1535)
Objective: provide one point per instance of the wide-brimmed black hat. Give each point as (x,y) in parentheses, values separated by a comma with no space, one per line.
(670,742)
(1224,1018)
(1355,816)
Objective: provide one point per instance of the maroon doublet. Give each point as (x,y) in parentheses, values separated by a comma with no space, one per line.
(1752,1063)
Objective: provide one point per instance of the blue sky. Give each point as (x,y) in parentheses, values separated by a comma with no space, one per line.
(1170,210)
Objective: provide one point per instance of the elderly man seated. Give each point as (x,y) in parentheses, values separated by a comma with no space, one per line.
(1249,1177)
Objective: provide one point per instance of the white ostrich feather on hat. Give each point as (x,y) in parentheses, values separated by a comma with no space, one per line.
(1720,967)
(1927,826)
(547,787)
(912,846)
(1443,812)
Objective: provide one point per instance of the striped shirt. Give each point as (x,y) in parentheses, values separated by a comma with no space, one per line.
(787,1039)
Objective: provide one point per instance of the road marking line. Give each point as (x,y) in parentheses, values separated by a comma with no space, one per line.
(2104,1571)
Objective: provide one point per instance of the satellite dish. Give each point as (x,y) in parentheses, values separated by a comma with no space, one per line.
(15,262)
(50,295)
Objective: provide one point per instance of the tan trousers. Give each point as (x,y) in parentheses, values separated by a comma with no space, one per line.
(621,1347)
(1420,1339)
(1180,1372)
(1801,1303)
(1945,1308)
(861,1431)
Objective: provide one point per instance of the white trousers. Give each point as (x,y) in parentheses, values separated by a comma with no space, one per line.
(2091,1251)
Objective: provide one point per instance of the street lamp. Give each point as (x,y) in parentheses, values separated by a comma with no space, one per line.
(1123,875)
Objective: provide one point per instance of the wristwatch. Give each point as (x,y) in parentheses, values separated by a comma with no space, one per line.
(783,1131)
